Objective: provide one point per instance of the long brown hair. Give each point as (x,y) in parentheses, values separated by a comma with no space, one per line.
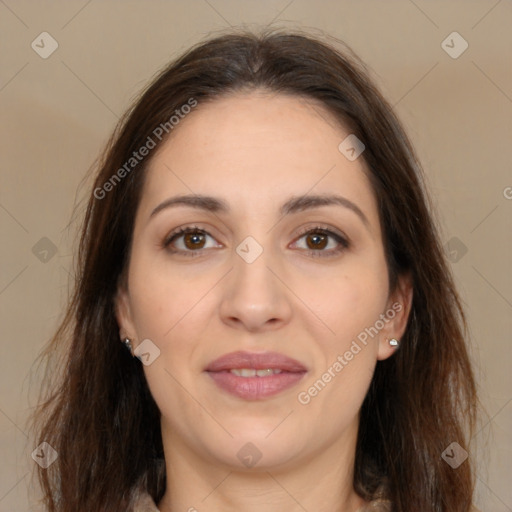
(99,414)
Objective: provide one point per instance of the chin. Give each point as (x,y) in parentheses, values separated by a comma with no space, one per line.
(258,451)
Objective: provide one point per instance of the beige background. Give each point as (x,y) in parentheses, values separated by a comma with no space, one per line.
(58,112)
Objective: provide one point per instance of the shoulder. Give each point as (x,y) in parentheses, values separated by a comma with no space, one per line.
(378,505)
(381,505)
(144,503)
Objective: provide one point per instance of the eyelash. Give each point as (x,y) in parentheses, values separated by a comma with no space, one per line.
(342,241)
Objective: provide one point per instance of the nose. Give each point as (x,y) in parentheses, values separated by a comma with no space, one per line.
(254,297)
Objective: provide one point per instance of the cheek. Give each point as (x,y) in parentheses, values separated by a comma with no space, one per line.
(350,302)
(164,309)
(161,295)
(346,353)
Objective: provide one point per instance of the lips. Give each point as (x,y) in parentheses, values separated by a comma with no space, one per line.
(274,373)
(256,361)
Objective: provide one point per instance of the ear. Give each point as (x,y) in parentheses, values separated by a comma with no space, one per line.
(123,313)
(397,314)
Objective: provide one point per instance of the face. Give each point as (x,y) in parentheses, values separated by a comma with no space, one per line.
(264,267)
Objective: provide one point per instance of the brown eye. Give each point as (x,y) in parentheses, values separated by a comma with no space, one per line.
(194,240)
(322,242)
(188,241)
(318,240)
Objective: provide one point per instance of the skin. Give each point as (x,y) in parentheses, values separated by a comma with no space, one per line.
(256,150)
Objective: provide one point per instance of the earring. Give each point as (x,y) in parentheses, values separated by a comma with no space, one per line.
(394,342)
(128,344)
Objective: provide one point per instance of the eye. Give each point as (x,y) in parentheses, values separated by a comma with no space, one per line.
(319,241)
(323,242)
(187,240)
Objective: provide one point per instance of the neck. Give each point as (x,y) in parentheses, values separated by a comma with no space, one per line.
(323,482)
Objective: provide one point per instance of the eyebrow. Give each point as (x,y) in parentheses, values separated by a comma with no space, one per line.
(293,205)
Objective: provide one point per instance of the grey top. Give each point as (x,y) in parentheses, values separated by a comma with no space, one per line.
(144,503)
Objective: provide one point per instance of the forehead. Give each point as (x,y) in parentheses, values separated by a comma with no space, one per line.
(257,149)
(256,119)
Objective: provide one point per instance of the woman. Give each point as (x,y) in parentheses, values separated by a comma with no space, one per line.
(260,239)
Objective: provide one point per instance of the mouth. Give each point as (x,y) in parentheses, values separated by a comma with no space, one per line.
(252,372)
(255,376)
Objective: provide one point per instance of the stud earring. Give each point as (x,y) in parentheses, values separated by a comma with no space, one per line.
(394,342)
(128,344)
